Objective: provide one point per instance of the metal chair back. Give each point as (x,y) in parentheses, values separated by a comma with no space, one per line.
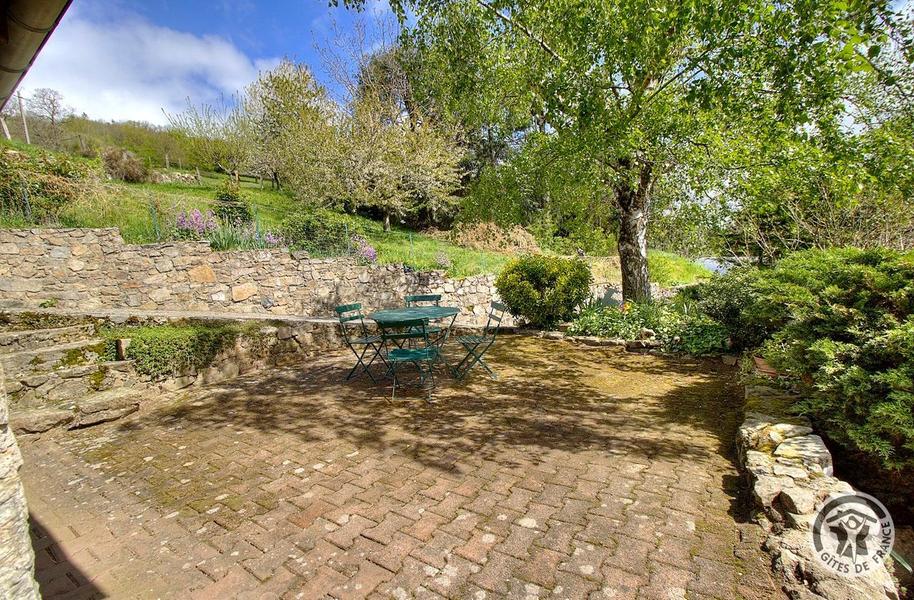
(349,313)
(405,331)
(413,300)
(497,312)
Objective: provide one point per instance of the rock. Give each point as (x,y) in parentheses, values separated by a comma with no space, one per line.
(179,383)
(646,334)
(68,390)
(767,488)
(160,294)
(798,500)
(9,248)
(243,292)
(121,346)
(554,335)
(164,265)
(284,332)
(267,302)
(41,420)
(729,360)
(759,463)
(792,471)
(638,345)
(810,449)
(104,406)
(202,274)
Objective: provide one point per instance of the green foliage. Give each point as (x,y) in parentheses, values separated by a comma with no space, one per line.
(727,299)
(36,185)
(320,231)
(678,328)
(840,323)
(231,207)
(164,351)
(545,290)
(845,319)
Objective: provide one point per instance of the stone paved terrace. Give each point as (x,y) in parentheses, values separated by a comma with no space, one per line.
(583,472)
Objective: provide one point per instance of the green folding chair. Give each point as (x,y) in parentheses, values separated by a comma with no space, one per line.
(433,300)
(477,345)
(371,345)
(406,342)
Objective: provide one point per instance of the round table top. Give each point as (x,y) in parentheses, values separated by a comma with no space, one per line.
(413,312)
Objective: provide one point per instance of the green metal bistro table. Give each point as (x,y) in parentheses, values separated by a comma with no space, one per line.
(432,313)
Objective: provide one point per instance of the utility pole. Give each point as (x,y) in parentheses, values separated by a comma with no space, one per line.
(6,130)
(25,125)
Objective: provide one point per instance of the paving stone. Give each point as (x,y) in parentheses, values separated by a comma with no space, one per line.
(292,484)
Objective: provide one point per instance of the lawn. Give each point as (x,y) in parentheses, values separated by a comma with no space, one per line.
(146,213)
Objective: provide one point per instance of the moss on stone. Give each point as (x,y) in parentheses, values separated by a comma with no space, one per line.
(72,358)
(97,378)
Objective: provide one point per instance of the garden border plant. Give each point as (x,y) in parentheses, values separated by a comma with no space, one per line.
(544,290)
(839,324)
(174,349)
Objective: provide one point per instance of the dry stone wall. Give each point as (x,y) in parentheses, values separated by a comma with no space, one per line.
(95,268)
(789,470)
(16,556)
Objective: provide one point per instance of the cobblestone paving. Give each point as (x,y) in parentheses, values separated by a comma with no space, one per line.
(581,473)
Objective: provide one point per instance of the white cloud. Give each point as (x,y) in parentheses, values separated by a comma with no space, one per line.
(131,69)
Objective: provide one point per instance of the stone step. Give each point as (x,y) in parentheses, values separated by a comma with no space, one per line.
(36,339)
(64,387)
(51,358)
(97,407)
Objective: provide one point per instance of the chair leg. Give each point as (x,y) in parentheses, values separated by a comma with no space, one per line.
(393,370)
(359,363)
(477,358)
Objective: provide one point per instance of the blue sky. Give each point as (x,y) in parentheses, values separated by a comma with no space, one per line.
(133,59)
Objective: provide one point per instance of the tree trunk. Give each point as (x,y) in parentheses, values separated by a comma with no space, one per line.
(634,207)
(386,221)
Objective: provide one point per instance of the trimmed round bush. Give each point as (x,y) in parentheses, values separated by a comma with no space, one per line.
(544,290)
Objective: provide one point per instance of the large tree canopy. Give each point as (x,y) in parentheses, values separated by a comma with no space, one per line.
(631,86)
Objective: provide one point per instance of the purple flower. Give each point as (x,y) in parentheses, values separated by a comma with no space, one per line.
(272,239)
(368,253)
(364,250)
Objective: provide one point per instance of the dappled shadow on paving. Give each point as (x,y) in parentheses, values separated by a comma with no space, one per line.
(550,397)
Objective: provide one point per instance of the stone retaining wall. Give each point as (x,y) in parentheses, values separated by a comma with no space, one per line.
(16,556)
(790,474)
(95,268)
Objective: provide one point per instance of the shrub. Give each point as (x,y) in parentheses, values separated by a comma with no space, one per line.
(166,351)
(726,299)
(231,206)
(124,165)
(677,329)
(321,232)
(843,327)
(36,185)
(544,289)
(242,237)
